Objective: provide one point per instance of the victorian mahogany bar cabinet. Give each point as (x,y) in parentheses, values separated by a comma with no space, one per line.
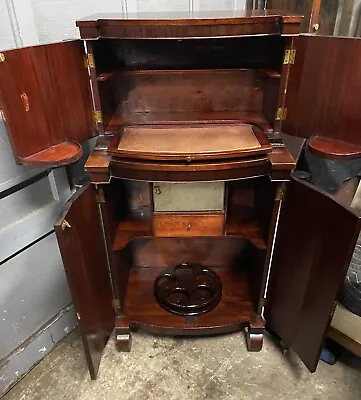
(194,223)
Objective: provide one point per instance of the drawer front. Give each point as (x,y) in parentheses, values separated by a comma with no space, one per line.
(172,225)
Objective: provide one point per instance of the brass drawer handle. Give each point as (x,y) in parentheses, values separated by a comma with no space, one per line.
(189,227)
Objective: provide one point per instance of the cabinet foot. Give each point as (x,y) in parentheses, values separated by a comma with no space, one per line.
(123,335)
(254,334)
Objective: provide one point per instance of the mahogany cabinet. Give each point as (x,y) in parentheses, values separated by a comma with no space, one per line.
(194,222)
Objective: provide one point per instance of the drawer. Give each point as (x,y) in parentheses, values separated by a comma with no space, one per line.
(173,225)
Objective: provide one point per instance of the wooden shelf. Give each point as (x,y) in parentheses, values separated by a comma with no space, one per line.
(248,228)
(55,156)
(129,229)
(144,118)
(231,314)
(333,149)
(105,76)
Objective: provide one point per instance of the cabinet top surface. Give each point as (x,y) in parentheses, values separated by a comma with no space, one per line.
(214,17)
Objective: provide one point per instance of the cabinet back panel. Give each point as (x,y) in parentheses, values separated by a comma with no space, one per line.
(206,94)
(255,52)
(164,252)
(182,91)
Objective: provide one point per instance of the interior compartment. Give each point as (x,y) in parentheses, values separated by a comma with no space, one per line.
(189,81)
(231,259)
(247,210)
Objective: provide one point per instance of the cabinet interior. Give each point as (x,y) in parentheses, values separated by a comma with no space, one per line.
(189,81)
(238,254)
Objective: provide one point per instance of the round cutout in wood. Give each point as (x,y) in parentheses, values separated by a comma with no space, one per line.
(188,289)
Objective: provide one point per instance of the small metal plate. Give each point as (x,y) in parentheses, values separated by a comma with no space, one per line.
(197,196)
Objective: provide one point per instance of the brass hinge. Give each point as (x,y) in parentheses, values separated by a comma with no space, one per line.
(281,192)
(100,196)
(116,304)
(290,56)
(97,117)
(2,57)
(261,304)
(89,61)
(78,316)
(281,114)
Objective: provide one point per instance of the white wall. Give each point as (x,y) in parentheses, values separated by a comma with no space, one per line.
(7,40)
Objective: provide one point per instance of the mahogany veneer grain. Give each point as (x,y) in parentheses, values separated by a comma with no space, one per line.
(250,228)
(333,148)
(55,156)
(189,172)
(119,120)
(46,101)
(129,229)
(186,24)
(188,224)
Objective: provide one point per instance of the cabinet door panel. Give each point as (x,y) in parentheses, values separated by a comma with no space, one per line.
(314,246)
(45,97)
(82,246)
(323,89)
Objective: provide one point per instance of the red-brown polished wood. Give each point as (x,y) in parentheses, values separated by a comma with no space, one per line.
(317,236)
(46,101)
(188,224)
(188,24)
(323,87)
(81,242)
(333,148)
(55,156)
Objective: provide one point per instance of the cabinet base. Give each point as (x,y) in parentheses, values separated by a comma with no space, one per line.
(254,333)
(123,335)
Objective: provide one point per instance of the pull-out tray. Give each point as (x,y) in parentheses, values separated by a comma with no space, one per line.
(190,142)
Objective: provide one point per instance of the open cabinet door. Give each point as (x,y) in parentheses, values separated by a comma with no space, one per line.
(82,246)
(323,90)
(314,246)
(46,102)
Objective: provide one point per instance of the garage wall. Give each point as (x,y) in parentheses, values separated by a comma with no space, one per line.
(35,304)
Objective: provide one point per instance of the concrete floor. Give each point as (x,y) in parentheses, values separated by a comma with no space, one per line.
(187,368)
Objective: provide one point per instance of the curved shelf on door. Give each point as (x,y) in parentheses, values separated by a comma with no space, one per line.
(55,156)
